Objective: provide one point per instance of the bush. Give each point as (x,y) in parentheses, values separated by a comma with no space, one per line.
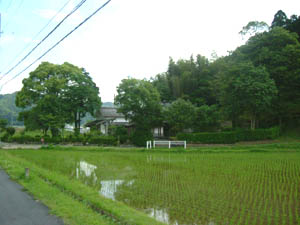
(139,137)
(10,130)
(22,139)
(230,137)
(209,138)
(75,138)
(258,134)
(102,140)
(5,137)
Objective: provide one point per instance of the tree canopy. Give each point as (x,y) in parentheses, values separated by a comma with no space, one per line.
(55,95)
(140,102)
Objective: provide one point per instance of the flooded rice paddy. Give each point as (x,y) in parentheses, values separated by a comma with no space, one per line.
(189,188)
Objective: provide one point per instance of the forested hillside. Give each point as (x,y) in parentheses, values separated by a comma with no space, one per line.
(8,109)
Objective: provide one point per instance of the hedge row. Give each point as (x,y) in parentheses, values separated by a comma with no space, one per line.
(230,137)
(88,139)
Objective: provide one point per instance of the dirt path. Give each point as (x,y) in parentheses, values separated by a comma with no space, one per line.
(19,146)
(19,208)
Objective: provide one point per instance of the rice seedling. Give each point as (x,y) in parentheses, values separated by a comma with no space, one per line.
(189,187)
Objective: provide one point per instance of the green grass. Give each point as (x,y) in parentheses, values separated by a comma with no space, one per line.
(236,184)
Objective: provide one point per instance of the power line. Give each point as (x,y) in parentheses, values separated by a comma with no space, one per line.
(57,43)
(59,11)
(69,14)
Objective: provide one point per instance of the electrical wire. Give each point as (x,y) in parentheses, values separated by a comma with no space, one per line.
(57,43)
(69,14)
(59,11)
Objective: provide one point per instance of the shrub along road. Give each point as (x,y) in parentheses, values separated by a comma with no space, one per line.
(19,208)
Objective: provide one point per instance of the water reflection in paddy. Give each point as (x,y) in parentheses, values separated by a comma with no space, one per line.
(109,189)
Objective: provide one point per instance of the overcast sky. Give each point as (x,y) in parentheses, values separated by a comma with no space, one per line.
(126,38)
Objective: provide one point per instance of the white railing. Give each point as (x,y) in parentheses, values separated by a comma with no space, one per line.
(168,143)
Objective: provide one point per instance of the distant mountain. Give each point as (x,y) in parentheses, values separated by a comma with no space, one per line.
(9,110)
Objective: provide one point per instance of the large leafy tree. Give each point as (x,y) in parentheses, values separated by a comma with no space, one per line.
(180,115)
(53,94)
(81,92)
(140,102)
(291,24)
(248,90)
(207,118)
(279,52)
(187,79)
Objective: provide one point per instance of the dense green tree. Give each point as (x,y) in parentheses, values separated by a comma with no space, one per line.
(280,19)
(81,92)
(54,93)
(3,124)
(207,118)
(254,27)
(249,90)
(188,79)
(140,102)
(160,82)
(292,24)
(279,52)
(180,115)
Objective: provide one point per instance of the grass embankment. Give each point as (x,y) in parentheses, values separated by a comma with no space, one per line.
(281,146)
(71,200)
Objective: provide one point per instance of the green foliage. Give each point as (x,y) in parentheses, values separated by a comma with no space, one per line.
(139,101)
(103,140)
(161,83)
(188,79)
(279,52)
(207,119)
(254,27)
(57,94)
(258,134)
(180,115)
(119,132)
(3,124)
(8,109)
(140,136)
(10,130)
(230,137)
(23,139)
(247,90)
(209,138)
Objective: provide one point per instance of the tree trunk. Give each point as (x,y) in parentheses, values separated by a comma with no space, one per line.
(79,118)
(76,123)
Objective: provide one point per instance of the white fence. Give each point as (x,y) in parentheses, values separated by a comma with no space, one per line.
(165,143)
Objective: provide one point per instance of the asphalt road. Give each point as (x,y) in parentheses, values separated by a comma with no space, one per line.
(19,208)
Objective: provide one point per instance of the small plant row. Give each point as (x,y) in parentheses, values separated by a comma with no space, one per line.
(230,137)
(84,139)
